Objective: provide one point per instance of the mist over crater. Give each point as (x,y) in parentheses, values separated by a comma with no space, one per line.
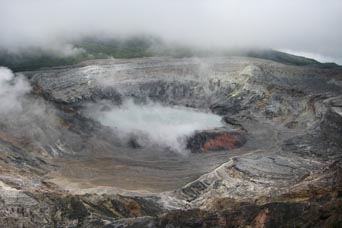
(153,123)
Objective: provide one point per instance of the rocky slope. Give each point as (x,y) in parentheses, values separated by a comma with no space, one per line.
(279,165)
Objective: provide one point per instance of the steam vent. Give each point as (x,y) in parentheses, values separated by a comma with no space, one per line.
(166,142)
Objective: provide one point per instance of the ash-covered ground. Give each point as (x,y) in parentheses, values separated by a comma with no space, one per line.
(259,144)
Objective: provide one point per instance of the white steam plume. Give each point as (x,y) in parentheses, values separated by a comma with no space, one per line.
(23,116)
(12,91)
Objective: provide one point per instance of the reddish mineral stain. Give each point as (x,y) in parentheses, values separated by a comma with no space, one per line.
(224,141)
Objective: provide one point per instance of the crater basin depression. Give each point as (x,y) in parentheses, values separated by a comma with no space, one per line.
(187,132)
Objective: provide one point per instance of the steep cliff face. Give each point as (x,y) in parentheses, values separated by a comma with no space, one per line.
(275,163)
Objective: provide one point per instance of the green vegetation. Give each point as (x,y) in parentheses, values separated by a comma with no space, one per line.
(35,58)
(135,47)
(118,48)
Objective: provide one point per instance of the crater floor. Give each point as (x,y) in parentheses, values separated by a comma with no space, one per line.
(155,170)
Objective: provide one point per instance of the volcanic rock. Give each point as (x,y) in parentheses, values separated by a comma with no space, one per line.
(75,172)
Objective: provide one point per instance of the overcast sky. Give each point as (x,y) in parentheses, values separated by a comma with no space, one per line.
(301,26)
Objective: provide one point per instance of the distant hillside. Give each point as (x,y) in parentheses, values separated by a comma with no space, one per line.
(286,58)
(135,47)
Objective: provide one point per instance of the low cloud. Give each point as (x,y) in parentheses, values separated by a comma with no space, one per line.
(310,26)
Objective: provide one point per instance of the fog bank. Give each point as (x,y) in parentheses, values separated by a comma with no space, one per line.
(310,26)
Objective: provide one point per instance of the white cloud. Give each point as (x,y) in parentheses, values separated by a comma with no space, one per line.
(308,25)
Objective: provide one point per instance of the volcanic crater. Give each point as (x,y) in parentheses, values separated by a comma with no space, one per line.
(275,137)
